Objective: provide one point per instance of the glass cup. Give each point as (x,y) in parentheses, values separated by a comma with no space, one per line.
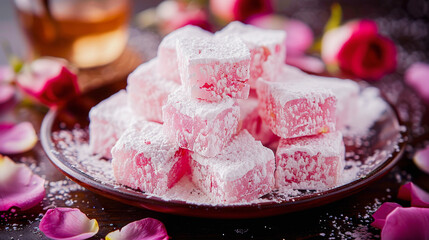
(88,33)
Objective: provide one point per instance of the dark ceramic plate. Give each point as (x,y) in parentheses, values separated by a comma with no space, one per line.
(377,156)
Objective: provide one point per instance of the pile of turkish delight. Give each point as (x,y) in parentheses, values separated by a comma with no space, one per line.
(224,110)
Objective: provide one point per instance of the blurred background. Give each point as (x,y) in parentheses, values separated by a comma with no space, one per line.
(406,22)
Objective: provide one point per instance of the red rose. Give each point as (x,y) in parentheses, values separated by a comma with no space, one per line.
(239,10)
(49,81)
(358,49)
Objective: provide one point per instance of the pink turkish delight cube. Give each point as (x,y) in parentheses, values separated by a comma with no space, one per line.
(346,91)
(108,120)
(148,91)
(213,68)
(252,122)
(267,49)
(200,126)
(347,94)
(167,57)
(242,172)
(296,109)
(144,159)
(313,162)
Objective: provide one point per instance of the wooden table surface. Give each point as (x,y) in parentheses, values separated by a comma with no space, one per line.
(346,218)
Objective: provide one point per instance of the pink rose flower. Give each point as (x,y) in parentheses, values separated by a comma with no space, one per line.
(49,81)
(175,14)
(239,10)
(358,49)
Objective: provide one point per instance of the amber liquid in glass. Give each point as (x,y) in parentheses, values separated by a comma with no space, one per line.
(86,32)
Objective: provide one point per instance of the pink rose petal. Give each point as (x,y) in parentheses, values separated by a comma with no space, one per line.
(17,138)
(67,224)
(421,158)
(147,228)
(406,223)
(49,81)
(19,187)
(417,77)
(6,74)
(299,34)
(381,214)
(417,196)
(300,37)
(6,93)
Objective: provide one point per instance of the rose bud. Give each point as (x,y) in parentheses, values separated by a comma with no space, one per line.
(358,49)
(239,10)
(173,15)
(49,81)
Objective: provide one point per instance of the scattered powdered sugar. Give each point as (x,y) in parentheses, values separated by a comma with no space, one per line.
(60,193)
(370,107)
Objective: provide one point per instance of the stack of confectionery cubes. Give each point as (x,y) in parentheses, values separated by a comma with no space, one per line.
(209,105)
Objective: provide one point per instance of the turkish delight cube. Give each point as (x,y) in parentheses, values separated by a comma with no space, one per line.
(252,122)
(346,91)
(148,91)
(267,49)
(296,108)
(108,120)
(200,126)
(313,162)
(167,57)
(242,172)
(347,94)
(144,159)
(213,68)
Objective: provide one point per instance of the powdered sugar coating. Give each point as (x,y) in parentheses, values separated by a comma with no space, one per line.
(243,171)
(169,41)
(167,64)
(200,126)
(267,49)
(252,122)
(143,158)
(346,91)
(254,35)
(212,69)
(314,162)
(148,91)
(295,109)
(108,120)
(203,50)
